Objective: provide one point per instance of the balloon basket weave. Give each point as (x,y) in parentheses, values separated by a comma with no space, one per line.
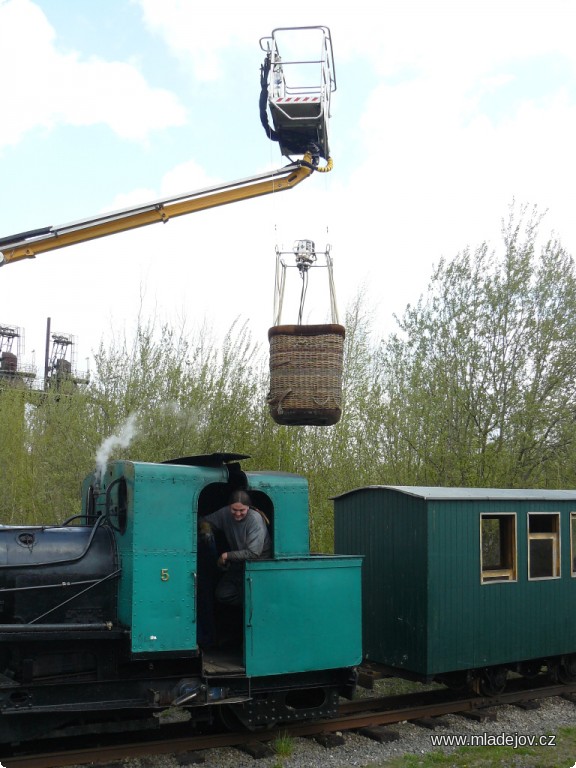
(306,363)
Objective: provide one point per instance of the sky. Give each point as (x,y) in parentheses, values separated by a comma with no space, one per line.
(445,114)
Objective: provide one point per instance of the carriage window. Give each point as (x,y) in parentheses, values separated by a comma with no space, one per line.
(573,541)
(498,547)
(543,546)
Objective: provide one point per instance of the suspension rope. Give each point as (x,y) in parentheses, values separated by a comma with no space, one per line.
(304,261)
(280,284)
(304,276)
(332,287)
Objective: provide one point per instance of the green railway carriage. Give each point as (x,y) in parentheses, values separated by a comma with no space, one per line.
(464,583)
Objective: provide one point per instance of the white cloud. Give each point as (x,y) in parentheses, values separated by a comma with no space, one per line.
(186,177)
(203,37)
(445,171)
(465,39)
(457,36)
(192,35)
(114,93)
(42,86)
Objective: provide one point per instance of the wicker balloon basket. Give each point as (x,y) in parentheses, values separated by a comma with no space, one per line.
(306,374)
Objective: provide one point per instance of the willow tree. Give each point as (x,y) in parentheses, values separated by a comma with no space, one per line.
(14,454)
(480,375)
(184,393)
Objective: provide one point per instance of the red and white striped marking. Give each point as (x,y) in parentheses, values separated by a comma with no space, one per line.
(294,99)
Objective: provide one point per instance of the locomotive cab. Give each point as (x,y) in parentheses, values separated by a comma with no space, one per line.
(300,617)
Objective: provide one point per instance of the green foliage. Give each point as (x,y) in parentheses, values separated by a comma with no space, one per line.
(189,395)
(15,463)
(61,449)
(283,745)
(479,378)
(182,393)
(44,453)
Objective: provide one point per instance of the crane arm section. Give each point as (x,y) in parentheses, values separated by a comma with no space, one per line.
(27,245)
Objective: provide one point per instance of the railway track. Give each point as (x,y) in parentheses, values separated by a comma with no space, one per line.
(355,715)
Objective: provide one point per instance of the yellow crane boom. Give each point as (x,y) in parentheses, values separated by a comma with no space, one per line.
(27,245)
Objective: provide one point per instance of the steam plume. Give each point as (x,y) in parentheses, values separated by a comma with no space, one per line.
(122,439)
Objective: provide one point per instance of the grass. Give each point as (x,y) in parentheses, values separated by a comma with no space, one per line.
(284,745)
(395,686)
(563,755)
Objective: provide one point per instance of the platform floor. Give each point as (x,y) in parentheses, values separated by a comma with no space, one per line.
(223,661)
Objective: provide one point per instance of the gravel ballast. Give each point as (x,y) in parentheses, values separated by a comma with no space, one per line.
(360,751)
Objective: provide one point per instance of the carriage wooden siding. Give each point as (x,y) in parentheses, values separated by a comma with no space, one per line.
(435,601)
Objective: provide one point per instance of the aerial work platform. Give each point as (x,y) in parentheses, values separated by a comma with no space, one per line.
(296,89)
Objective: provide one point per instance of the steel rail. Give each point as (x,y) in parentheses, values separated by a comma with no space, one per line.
(354,715)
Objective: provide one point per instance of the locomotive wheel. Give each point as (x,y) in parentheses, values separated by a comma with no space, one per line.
(229,718)
(568,670)
(493,681)
(563,670)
